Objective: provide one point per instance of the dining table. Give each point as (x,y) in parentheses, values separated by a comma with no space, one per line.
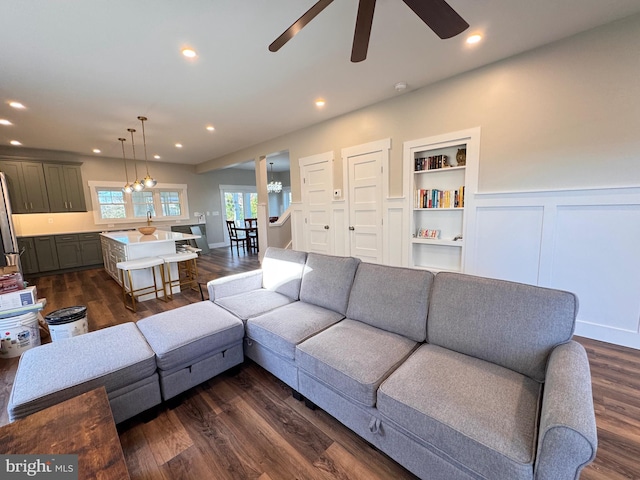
(252,241)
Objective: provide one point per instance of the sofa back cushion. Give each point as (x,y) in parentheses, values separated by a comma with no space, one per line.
(506,323)
(391,298)
(327,281)
(282,271)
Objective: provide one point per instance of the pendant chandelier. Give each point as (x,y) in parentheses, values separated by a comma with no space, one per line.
(147,181)
(273,187)
(127,187)
(138,186)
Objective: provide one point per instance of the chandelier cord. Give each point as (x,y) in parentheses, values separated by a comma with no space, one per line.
(133,146)
(144,142)
(126,173)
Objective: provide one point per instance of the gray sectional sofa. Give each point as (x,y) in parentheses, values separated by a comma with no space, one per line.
(451,375)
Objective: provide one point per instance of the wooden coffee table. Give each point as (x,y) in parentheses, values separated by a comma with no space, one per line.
(83,425)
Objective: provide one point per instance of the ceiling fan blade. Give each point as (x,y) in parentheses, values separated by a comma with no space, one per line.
(298,25)
(363,30)
(440,17)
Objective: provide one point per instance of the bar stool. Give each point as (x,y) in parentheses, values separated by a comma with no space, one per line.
(139,264)
(186,262)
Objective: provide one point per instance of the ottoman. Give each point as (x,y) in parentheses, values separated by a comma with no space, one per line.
(118,358)
(193,344)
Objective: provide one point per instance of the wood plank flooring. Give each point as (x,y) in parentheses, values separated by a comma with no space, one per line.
(248,426)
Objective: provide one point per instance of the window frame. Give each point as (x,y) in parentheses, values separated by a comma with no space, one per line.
(95,186)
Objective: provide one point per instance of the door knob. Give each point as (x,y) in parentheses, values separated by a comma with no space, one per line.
(326,227)
(352,228)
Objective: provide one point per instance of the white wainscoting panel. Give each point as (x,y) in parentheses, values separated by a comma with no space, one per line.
(583,241)
(297,227)
(394,228)
(508,241)
(596,254)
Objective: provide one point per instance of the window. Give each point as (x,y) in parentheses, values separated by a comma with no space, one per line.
(142,203)
(170,201)
(112,205)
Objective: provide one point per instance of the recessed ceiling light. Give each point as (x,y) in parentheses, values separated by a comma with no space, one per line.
(211,128)
(157,157)
(17,105)
(189,52)
(178,145)
(15,142)
(4,121)
(96,150)
(475,38)
(320,102)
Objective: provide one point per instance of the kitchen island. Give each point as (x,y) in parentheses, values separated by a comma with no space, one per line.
(132,245)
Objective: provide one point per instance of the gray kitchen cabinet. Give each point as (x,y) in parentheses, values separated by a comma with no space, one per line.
(78,250)
(90,248)
(68,248)
(28,258)
(64,187)
(27,186)
(46,253)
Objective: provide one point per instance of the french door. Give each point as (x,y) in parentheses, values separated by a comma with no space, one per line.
(238,203)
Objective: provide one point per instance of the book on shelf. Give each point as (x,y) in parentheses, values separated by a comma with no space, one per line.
(435,198)
(434,162)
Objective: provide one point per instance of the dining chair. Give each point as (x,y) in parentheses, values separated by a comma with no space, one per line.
(252,235)
(235,236)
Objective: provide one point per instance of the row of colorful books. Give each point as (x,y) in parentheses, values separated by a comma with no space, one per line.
(434,198)
(431,163)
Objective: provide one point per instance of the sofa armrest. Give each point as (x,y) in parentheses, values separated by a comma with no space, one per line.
(234,284)
(567,439)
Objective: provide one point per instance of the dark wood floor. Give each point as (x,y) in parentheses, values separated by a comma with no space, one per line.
(248,426)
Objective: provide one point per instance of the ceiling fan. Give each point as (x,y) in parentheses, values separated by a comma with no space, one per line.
(437,14)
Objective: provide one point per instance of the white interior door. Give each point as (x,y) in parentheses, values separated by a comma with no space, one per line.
(365,206)
(317,184)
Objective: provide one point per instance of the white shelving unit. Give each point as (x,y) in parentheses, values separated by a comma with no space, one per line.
(449,212)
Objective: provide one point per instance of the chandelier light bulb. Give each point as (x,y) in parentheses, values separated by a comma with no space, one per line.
(149,182)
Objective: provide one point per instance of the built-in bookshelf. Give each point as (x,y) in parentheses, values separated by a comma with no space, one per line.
(442,174)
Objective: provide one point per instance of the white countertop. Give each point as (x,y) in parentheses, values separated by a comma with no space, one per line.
(134,237)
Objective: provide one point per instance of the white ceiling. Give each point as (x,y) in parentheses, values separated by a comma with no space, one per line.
(86,69)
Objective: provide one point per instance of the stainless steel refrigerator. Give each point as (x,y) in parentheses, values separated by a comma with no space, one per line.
(9,254)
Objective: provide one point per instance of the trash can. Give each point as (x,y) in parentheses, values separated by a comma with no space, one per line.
(67,322)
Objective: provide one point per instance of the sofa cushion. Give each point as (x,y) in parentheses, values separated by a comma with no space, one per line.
(183,335)
(480,414)
(327,281)
(282,271)
(507,323)
(113,357)
(353,358)
(282,329)
(254,303)
(394,299)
